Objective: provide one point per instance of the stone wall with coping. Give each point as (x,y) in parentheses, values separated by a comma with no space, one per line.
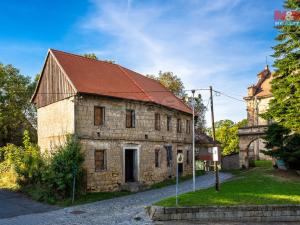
(251,213)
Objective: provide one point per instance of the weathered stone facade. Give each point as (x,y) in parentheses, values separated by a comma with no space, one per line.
(257,100)
(77,115)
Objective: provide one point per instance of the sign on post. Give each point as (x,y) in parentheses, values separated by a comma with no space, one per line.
(215,153)
(180,158)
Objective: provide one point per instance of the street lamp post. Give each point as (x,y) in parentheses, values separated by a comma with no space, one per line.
(194,171)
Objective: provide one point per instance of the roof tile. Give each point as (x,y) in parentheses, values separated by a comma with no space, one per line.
(108,79)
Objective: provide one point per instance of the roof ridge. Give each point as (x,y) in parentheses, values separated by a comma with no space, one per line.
(158,82)
(81,56)
(135,83)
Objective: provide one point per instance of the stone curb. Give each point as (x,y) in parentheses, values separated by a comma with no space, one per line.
(243,213)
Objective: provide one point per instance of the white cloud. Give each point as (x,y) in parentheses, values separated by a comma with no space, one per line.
(205,44)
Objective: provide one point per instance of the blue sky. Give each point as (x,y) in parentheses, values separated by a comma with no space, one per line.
(223,43)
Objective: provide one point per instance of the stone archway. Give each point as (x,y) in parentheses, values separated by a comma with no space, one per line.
(247,135)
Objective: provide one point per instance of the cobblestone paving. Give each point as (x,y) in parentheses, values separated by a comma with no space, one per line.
(127,210)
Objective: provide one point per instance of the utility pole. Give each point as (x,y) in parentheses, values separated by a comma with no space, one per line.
(214,136)
(194,169)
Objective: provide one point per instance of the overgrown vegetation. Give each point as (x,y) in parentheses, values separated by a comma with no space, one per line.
(284,144)
(47,177)
(258,186)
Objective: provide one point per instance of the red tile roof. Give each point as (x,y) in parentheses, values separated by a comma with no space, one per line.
(92,76)
(263,86)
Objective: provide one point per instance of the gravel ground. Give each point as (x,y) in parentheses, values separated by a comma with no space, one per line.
(127,210)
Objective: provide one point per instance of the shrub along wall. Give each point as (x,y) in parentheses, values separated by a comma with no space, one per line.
(48,177)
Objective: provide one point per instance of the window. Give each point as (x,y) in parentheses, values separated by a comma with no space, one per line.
(100,160)
(168,123)
(188,157)
(157,158)
(130,118)
(157,121)
(188,127)
(178,125)
(169,155)
(99,115)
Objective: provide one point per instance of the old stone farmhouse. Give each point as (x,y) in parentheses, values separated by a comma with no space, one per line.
(257,101)
(130,126)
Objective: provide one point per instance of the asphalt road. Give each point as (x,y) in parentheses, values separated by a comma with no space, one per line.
(126,210)
(15,204)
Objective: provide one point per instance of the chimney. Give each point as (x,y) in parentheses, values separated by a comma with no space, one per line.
(251,90)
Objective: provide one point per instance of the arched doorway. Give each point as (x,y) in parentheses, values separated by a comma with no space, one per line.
(250,144)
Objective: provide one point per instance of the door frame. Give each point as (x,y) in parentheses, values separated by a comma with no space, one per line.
(137,161)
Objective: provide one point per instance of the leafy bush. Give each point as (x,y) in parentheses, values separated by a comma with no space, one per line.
(25,161)
(64,164)
(45,177)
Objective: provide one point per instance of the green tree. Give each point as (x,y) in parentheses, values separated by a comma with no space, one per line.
(227,135)
(90,56)
(285,107)
(175,85)
(284,144)
(200,110)
(15,106)
(171,82)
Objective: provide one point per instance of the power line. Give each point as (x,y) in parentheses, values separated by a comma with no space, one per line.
(229,96)
(138,92)
(113,92)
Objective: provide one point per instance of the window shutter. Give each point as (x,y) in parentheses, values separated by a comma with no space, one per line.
(178,125)
(100,160)
(157,121)
(99,114)
(128,118)
(132,118)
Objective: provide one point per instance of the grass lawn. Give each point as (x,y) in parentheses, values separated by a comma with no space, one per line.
(257,186)
(173,180)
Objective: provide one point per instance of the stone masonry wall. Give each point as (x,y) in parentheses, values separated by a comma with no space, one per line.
(76,115)
(113,136)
